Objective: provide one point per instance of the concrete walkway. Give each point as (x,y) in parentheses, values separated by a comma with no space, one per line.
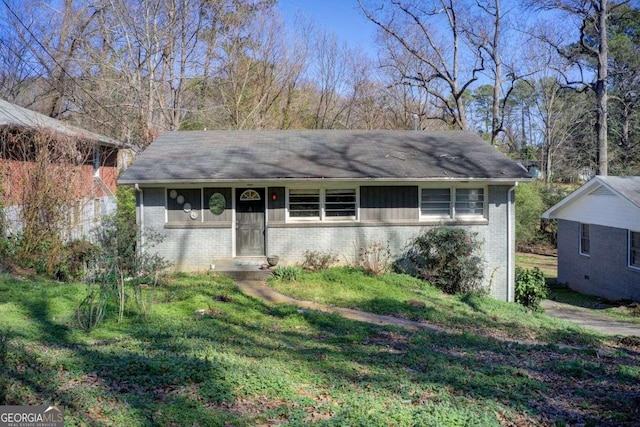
(589,319)
(260,290)
(583,317)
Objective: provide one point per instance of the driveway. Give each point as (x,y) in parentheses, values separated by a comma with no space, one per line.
(587,318)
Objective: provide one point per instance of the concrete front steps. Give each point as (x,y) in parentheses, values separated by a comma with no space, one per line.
(242,268)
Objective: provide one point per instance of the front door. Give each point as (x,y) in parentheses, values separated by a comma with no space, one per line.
(250,221)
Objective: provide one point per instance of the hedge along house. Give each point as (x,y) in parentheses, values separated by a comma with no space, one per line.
(222,194)
(599,237)
(85,164)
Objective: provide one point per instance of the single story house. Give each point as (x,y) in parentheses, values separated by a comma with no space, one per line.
(93,162)
(599,237)
(227,194)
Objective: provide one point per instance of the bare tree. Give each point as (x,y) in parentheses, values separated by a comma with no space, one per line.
(592,44)
(447,68)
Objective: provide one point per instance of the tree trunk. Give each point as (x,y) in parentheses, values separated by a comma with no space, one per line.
(497,81)
(601,91)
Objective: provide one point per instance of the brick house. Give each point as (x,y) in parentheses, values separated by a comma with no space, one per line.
(91,162)
(599,237)
(234,194)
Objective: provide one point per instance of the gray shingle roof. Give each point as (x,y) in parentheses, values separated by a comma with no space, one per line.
(627,186)
(16,116)
(200,156)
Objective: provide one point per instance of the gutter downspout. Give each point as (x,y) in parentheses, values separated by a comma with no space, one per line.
(140,218)
(510,243)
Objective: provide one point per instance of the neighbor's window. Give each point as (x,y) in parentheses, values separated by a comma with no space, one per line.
(304,203)
(584,239)
(634,249)
(436,202)
(469,201)
(340,203)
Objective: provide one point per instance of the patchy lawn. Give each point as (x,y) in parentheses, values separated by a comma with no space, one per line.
(547,263)
(624,310)
(245,363)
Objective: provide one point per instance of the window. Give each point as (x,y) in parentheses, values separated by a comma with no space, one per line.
(319,204)
(304,203)
(584,239)
(436,202)
(340,203)
(249,196)
(469,201)
(453,203)
(634,249)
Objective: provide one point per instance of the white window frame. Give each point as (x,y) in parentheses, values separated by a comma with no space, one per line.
(453,215)
(629,258)
(326,217)
(322,204)
(581,238)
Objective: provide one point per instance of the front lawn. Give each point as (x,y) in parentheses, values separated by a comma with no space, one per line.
(409,298)
(246,363)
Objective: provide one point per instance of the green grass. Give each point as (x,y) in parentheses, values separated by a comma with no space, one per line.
(409,298)
(549,266)
(248,363)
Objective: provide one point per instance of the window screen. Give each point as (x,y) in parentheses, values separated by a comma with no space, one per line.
(584,239)
(470,201)
(304,203)
(634,249)
(435,202)
(340,203)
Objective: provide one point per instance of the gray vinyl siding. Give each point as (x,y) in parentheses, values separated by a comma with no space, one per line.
(224,217)
(175,210)
(605,272)
(277,206)
(388,203)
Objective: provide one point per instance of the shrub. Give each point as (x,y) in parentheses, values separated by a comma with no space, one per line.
(448,258)
(531,287)
(289,273)
(374,258)
(318,260)
(75,258)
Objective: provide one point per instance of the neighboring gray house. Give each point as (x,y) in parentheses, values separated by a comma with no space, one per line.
(599,237)
(285,192)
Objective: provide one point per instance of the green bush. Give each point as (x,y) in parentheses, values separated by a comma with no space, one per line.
(531,287)
(448,258)
(289,273)
(76,256)
(529,206)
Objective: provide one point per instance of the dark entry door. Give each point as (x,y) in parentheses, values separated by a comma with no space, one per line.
(250,221)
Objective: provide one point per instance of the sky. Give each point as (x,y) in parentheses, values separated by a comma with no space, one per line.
(342,17)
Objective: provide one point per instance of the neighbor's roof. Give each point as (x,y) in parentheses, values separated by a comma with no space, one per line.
(16,116)
(202,156)
(625,187)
